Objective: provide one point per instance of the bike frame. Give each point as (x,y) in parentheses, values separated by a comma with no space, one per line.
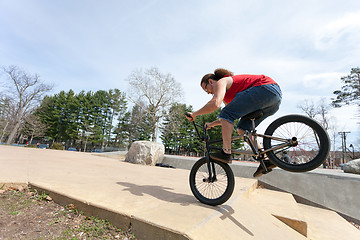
(287,143)
(254,146)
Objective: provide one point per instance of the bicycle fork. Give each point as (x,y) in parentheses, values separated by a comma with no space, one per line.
(210,166)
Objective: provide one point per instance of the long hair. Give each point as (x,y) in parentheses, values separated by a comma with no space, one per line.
(218,74)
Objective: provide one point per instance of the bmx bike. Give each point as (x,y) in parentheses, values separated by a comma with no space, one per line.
(294,143)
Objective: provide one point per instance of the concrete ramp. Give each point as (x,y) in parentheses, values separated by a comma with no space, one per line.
(242,219)
(325,224)
(312,222)
(282,206)
(156,203)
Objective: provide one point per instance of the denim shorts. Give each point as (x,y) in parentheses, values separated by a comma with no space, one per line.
(266,98)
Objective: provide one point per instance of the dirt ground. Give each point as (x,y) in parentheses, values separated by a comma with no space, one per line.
(25,214)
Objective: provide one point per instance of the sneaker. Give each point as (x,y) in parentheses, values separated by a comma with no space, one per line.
(222,156)
(260,171)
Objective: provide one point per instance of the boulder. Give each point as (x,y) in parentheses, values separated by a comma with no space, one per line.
(145,153)
(352,166)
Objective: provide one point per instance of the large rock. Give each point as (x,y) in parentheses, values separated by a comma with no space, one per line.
(352,166)
(145,152)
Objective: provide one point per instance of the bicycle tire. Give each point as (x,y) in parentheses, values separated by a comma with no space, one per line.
(211,193)
(313,143)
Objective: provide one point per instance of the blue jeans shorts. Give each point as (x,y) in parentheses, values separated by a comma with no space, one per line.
(266,98)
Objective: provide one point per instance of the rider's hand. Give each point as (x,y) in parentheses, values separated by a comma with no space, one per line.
(190,116)
(208,126)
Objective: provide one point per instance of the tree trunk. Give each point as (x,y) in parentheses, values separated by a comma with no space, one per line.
(85,143)
(13,132)
(153,138)
(20,140)
(31,139)
(2,135)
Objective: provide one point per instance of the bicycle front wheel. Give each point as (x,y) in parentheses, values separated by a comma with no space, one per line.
(213,191)
(310,143)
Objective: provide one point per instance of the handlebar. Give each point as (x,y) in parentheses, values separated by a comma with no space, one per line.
(205,137)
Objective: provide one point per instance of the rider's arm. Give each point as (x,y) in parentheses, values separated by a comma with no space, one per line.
(215,102)
(213,124)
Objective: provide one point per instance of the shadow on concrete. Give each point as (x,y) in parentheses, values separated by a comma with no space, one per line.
(159,192)
(165,194)
(227,212)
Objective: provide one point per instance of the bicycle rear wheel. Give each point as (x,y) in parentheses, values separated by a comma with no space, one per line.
(310,146)
(214,191)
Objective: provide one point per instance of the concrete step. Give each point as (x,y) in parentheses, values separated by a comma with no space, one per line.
(326,224)
(242,219)
(246,185)
(282,206)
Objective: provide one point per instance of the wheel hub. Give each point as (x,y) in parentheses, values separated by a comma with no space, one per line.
(209,180)
(294,142)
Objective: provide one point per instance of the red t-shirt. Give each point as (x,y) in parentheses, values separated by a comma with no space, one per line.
(243,82)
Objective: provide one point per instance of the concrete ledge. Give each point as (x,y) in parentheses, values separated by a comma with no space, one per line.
(180,161)
(141,228)
(326,188)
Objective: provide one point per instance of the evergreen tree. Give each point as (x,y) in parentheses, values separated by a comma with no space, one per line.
(85,118)
(179,135)
(176,130)
(121,131)
(139,127)
(60,113)
(100,114)
(350,91)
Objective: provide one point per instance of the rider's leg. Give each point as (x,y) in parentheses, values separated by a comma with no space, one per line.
(225,154)
(260,170)
(226,129)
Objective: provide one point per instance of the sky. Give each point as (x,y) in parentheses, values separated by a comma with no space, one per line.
(306,46)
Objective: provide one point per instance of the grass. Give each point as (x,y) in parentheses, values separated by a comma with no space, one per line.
(68,222)
(93,227)
(16,206)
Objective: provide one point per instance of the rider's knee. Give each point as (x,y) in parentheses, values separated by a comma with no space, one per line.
(240,131)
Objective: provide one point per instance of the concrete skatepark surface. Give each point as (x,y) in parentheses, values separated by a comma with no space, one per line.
(157,202)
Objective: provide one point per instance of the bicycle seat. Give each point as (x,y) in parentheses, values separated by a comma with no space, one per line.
(253,115)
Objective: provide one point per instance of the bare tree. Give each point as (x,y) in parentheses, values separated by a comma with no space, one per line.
(23,92)
(157,90)
(318,111)
(308,107)
(33,127)
(6,111)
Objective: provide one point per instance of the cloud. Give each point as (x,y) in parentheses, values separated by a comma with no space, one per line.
(322,80)
(345,29)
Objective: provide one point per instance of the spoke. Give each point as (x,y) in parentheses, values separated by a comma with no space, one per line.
(308,143)
(211,190)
